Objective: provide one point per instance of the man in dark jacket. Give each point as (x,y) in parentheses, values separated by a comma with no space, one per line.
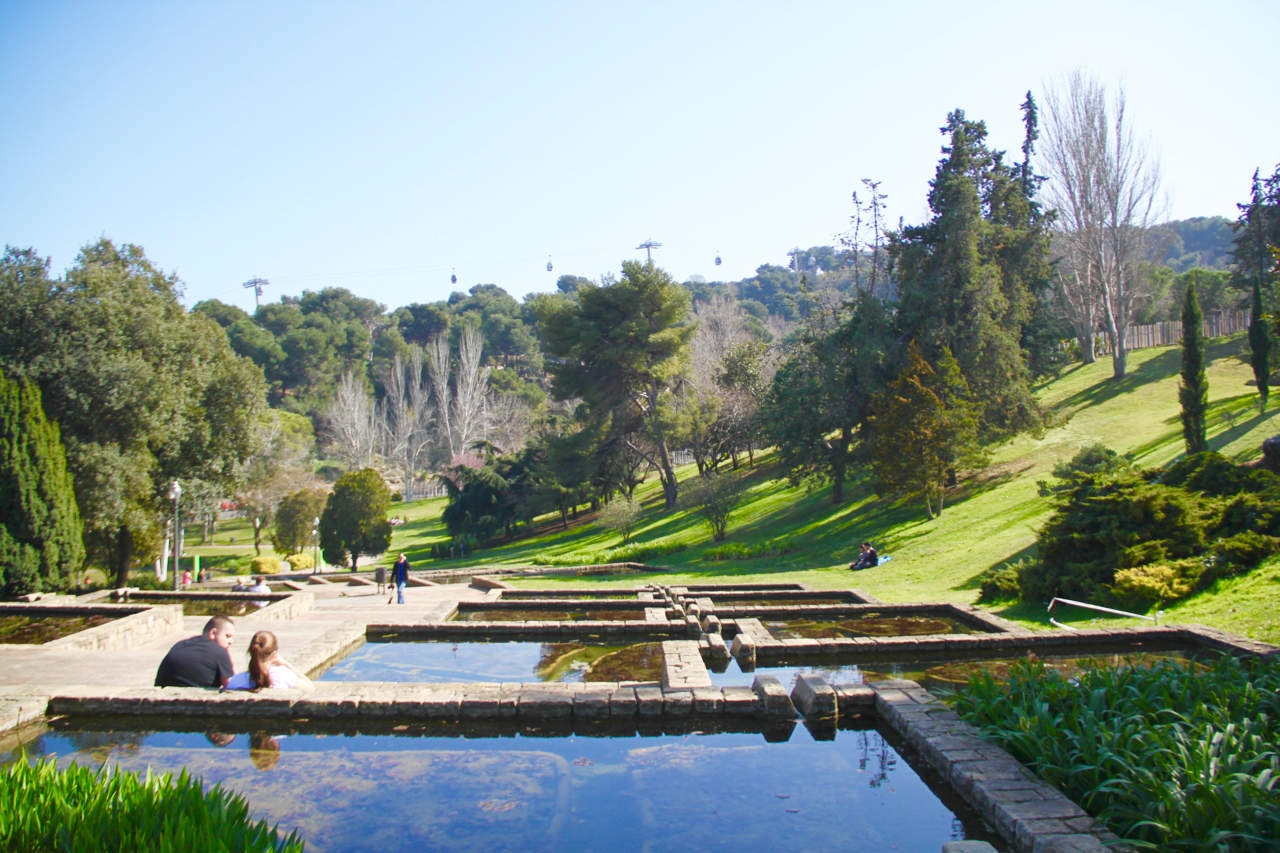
(201,661)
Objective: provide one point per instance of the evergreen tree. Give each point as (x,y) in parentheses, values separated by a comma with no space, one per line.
(41,544)
(965,276)
(1260,346)
(354,522)
(295,519)
(1194,393)
(923,427)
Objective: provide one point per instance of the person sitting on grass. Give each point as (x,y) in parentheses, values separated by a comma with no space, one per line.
(201,661)
(867,557)
(267,668)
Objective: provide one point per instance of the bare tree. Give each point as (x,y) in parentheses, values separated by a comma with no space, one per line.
(1104,184)
(470,393)
(406,418)
(438,370)
(353,425)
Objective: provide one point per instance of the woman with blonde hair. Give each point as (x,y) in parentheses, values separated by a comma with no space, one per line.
(267,668)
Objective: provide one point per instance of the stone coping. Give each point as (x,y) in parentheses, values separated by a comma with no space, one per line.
(966,615)
(282,606)
(137,624)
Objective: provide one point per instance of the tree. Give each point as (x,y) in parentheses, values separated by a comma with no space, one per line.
(965,276)
(1260,346)
(405,418)
(714,496)
(354,522)
(1257,234)
(143,392)
(622,348)
(923,427)
(1194,391)
(621,515)
(353,424)
(40,529)
(295,520)
(1103,184)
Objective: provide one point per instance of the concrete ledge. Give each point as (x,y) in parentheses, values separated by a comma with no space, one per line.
(774,701)
(141,624)
(813,697)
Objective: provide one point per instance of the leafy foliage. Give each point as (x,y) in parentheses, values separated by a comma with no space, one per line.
(713,496)
(1170,757)
(354,522)
(45,808)
(1200,519)
(621,515)
(295,520)
(40,529)
(1094,459)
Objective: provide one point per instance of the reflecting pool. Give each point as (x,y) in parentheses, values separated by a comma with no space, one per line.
(936,674)
(41,628)
(531,614)
(437,661)
(869,625)
(519,791)
(202,606)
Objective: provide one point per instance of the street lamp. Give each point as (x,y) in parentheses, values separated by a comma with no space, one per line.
(315,534)
(175,492)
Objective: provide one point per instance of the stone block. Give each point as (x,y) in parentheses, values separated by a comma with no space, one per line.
(774,701)
(622,702)
(708,700)
(677,703)
(711,624)
(649,701)
(591,704)
(740,700)
(544,703)
(717,650)
(1074,843)
(813,697)
(967,847)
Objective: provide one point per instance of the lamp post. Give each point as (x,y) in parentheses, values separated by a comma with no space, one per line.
(315,534)
(175,492)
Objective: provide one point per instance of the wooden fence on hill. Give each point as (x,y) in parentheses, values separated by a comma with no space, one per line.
(1167,332)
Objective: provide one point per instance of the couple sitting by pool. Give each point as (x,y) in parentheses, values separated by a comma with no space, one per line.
(204,661)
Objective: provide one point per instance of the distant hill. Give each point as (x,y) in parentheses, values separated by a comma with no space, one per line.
(1202,241)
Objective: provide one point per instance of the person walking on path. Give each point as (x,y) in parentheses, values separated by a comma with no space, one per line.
(201,661)
(400,577)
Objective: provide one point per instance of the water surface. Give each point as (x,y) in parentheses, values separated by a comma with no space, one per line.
(438,661)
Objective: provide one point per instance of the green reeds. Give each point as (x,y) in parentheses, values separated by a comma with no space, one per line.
(74,809)
(1171,757)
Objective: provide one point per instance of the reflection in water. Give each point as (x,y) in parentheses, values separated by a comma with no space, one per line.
(872,625)
(37,628)
(444,661)
(662,792)
(939,674)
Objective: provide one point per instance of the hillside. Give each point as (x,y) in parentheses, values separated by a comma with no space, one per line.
(991,518)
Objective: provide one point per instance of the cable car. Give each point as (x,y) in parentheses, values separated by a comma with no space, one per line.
(549,267)
(453,278)
(717,257)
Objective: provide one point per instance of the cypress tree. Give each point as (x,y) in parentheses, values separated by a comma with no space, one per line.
(1194,392)
(41,543)
(1260,345)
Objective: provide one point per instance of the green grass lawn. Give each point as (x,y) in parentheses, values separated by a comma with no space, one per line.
(991,517)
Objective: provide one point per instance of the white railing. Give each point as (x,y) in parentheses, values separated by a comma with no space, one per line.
(1098,608)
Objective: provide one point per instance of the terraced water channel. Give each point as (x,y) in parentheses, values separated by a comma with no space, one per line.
(581,758)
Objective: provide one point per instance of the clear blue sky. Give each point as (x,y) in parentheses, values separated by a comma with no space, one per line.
(381,146)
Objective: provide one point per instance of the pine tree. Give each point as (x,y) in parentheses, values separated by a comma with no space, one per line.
(923,427)
(965,276)
(1194,393)
(41,543)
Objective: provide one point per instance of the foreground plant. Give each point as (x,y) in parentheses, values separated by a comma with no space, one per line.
(77,808)
(1171,757)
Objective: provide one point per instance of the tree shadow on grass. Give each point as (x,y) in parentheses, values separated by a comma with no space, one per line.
(1026,554)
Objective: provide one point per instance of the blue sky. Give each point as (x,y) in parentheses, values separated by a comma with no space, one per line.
(383,146)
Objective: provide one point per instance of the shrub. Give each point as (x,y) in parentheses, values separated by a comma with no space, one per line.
(300,562)
(1094,459)
(1000,583)
(1159,584)
(81,809)
(621,515)
(264,565)
(713,496)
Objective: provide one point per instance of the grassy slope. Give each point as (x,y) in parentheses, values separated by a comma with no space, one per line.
(991,518)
